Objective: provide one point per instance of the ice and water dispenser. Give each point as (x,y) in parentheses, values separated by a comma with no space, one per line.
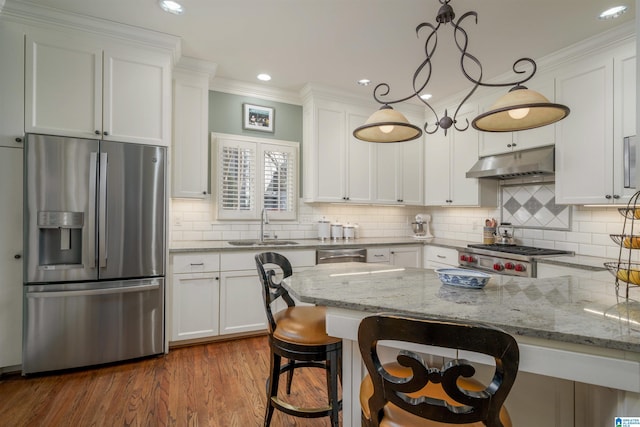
(60,239)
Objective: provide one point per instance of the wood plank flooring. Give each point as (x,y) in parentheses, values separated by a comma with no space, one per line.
(218,384)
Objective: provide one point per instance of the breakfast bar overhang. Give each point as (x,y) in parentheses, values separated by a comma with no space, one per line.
(567,327)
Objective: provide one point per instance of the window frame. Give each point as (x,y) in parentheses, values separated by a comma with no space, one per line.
(260,146)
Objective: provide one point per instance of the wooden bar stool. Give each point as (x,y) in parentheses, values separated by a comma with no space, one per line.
(297,333)
(409,393)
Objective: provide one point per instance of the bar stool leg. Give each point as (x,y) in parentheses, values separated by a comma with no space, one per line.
(290,375)
(332,386)
(272,386)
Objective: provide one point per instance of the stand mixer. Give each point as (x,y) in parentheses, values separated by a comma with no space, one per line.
(420,227)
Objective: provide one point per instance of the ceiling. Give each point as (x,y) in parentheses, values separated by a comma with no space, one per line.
(337,42)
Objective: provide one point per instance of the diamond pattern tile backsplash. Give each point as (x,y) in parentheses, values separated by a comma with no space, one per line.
(534,206)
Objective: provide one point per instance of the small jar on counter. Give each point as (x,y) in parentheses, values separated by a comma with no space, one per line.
(349,232)
(336,231)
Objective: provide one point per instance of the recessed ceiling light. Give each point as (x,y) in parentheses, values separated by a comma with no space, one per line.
(264,77)
(426,96)
(171,7)
(612,13)
(364,82)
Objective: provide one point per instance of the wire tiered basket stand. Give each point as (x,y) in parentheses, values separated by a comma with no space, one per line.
(626,270)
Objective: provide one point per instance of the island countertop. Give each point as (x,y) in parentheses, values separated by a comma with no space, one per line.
(565,309)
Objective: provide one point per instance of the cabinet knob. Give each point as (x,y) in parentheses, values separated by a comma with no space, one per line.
(17,256)
(616,196)
(97,132)
(608,196)
(400,200)
(106,133)
(509,145)
(19,140)
(204,192)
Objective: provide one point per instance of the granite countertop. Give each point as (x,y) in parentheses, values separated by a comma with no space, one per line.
(223,245)
(566,309)
(578,261)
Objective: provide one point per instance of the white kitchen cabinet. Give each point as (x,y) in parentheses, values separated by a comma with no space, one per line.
(437,257)
(406,256)
(401,256)
(241,300)
(195,296)
(378,255)
(341,167)
(80,86)
(504,142)
(190,130)
(589,142)
(399,173)
(448,158)
(11,84)
(11,257)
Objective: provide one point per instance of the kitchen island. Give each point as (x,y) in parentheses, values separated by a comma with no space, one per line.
(568,327)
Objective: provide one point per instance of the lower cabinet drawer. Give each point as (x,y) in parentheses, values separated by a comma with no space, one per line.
(196,262)
(378,255)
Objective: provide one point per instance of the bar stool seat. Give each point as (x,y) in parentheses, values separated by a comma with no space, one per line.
(303,325)
(297,333)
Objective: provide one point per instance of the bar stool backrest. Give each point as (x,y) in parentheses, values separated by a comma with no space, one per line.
(271,281)
(475,406)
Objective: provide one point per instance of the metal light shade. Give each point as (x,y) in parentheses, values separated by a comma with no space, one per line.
(387,125)
(520,109)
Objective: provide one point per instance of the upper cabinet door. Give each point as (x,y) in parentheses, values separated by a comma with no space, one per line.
(11,85)
(330,153)
(190,142)
(360,168)
(63,85)
(137,96)
(584,140)
(93,88)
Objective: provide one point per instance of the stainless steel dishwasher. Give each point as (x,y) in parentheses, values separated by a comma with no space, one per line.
(327,256)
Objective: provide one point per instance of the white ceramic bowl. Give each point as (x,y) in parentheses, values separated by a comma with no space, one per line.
(462,277)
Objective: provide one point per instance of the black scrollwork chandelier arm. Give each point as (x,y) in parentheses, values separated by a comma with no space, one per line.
(422,75)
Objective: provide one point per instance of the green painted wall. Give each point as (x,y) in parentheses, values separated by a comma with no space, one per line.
(225,116)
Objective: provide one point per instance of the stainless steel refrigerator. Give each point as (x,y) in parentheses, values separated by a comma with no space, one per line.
(94,252)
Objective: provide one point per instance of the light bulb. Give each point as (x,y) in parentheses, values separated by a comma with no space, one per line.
(518,113)
(386,128)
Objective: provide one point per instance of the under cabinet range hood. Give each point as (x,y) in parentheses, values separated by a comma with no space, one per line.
(517,164)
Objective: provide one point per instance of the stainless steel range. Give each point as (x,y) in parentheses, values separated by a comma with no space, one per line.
(510,260)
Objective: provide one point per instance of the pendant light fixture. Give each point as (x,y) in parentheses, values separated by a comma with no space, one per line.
(520,109)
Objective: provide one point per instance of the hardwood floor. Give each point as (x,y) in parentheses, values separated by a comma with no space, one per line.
(219,384)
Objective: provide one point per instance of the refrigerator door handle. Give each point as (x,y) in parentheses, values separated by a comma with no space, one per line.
(102,215)
(91,253)
(88,292)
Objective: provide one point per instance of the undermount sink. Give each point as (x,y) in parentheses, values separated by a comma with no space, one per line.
(263,243)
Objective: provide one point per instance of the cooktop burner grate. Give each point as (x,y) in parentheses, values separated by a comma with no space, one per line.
(519,250)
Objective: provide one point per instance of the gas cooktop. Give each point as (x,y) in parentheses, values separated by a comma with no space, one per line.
(519,250)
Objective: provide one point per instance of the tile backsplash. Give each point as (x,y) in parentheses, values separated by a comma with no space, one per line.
(588,234)
(534,206)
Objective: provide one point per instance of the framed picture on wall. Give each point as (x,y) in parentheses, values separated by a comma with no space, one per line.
(255,117)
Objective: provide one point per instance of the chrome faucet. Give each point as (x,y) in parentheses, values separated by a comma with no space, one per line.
(264,219)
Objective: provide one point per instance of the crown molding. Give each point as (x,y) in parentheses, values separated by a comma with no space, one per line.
(195,65)
(42,16)
(313,91)
(236,87)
